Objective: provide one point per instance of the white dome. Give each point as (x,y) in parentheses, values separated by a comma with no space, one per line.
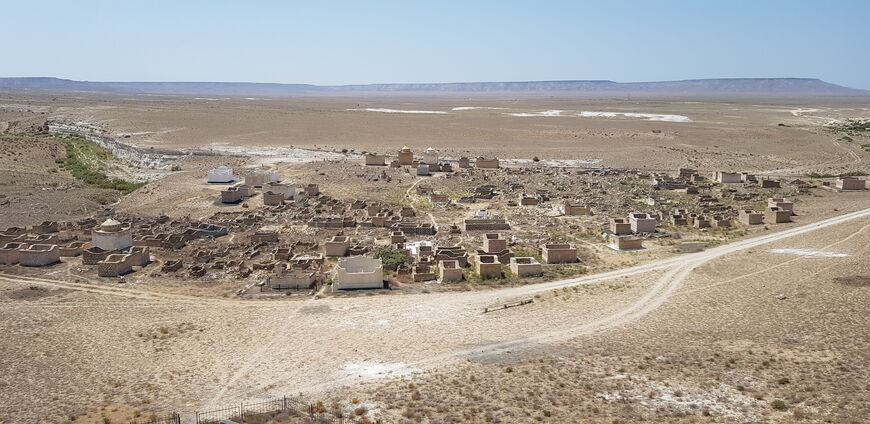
(110,223)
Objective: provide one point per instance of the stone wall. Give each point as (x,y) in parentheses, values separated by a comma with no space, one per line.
(39,255)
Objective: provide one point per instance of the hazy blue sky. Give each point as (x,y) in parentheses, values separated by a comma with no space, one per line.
(338,42)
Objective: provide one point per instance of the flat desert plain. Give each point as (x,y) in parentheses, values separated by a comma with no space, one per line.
(763,134)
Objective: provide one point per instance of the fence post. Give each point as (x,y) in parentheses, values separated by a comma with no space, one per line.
(285,403)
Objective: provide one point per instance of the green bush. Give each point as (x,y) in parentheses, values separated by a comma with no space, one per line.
(82,161)
(392,257)
(779,405)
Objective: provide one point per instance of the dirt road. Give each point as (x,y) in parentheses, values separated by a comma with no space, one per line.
(250,349)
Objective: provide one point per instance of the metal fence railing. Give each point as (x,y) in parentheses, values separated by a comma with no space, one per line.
(172,418)
(294,405)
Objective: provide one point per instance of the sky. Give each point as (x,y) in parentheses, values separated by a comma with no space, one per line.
(358,42)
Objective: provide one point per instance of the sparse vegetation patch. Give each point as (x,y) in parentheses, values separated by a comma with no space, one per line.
(86,162)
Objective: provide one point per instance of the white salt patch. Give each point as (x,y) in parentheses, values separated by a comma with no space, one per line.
(544,113)
(280,154)
(647,116)
(809,253)
(373,370)
(592,114)
(478,108)
(382,110)
(552,163)
(799,112)
(597,115)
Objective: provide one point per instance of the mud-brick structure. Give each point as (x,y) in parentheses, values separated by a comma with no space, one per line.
(575,208)
(484,221)
(231,195)
(264,237)
(723,177)
(750,217)
(282,254)
(262,177)
(42,239)
(642,223)
(464,162)
(450,271)
(114,265)
(221,175)
(525,266)
(139,255)
(620,226)
(46,227)
(406,156)
(486,163)
(778,202)
(285,278)
(414,228)
(358,272)
(271,198)
(379,219)
(39,255)
(558,253)
(118,264)
(93,255)
(494,242)
(338,246)
(10,236)
(850,183)
(767,183)
(679,219)
(422,272)
(720,221)
(289,191)
(73,248)
(526,200)
(172,266)
(702,221)
(112,235)
(686,173)
(9,253)
(452,253)
(777,215)
(488,266)
(312,190)
(626,243)
(375,160)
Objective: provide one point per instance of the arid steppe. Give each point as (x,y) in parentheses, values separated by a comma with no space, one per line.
(766,324)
